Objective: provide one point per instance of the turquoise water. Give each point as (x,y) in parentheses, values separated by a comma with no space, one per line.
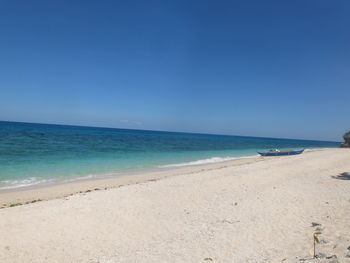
(38,153)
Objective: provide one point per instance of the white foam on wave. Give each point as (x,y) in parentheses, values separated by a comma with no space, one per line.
(33,181)
(315,149)
(85,177)
(11,184)
(206,161)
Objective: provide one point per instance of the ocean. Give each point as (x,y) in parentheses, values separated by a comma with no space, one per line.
(32,154)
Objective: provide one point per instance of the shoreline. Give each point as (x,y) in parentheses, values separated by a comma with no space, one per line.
(252,210)
(61,189)
(98,176)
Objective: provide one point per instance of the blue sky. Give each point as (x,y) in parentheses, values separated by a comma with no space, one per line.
(259,68)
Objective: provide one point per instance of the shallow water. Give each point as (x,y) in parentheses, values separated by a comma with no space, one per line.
(39,153)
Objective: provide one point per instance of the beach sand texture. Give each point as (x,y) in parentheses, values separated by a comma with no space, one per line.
(259,211)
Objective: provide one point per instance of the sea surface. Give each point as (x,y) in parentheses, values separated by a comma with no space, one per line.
(32,154)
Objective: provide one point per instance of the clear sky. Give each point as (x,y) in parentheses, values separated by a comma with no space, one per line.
(259,68)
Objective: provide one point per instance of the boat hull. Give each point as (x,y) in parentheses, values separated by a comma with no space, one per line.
(281,153)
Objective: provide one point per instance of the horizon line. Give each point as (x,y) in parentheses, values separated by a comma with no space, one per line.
(104,127)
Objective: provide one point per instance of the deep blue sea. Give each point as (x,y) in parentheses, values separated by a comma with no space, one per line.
(39,153)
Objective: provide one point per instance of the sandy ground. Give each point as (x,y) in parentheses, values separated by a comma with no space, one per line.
(255,211)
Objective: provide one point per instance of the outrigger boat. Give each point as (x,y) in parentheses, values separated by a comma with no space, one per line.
(280,153)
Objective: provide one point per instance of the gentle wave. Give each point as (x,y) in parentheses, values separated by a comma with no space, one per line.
(220,159)
(12,184)
(206,161)
(316,149)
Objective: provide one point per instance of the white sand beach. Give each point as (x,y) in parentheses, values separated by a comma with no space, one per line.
(258,210)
